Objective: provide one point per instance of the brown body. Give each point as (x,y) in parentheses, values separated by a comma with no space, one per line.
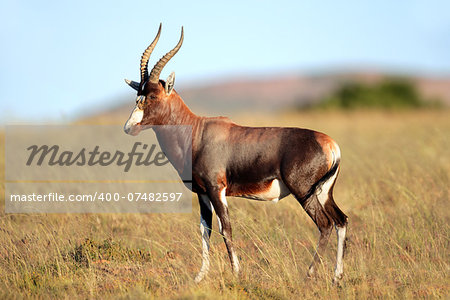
(263,163)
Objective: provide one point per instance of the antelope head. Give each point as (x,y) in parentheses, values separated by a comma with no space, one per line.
(152,93)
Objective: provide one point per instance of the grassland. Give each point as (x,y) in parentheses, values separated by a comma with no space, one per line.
(393,185)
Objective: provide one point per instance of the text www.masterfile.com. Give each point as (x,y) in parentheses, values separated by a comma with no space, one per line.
(97,196)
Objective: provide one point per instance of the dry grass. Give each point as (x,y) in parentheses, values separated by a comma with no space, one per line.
(393,185)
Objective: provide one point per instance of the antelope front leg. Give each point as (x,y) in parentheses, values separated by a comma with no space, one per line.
(206,211)
(219,202)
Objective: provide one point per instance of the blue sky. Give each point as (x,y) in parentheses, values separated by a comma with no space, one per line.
(61,57)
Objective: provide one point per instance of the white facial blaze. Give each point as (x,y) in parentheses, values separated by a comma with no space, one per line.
(135,118)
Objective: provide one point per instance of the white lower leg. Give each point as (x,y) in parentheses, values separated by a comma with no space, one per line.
(205,252)
(235,264)
(234,258)
(341,231)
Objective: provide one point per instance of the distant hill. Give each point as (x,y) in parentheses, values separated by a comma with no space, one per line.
(286,91)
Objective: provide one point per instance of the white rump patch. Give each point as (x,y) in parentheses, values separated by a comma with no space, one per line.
(323,190)
(338,151)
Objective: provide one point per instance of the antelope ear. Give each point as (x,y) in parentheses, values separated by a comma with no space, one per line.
(170,83)
(133,84)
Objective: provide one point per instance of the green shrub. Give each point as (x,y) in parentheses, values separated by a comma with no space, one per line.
(388,94)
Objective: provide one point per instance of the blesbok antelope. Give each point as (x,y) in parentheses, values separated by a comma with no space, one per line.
(263,163)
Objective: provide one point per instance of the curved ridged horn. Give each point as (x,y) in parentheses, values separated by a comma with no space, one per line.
(156,71)
(146,56)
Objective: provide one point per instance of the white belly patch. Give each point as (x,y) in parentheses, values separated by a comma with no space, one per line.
(276,191)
